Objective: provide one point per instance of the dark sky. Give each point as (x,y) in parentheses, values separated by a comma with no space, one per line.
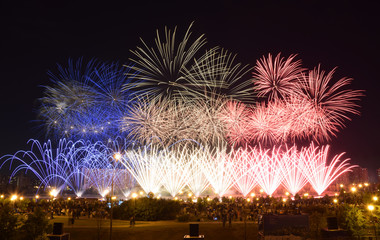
(36,35)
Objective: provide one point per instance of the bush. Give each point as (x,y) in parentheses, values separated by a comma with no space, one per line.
(352,218)
(8,221)
(36,225)
(148,209)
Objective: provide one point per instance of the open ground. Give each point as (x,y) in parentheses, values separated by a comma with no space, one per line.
(91,229)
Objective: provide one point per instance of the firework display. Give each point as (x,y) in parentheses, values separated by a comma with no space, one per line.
(178,167)
(186,70)
(76,166)
(189,118)
(276,77)
(86,101)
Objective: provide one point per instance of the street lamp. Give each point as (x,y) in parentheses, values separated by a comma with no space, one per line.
(134,196)
(375,198)
(14,197)
(371,208)
(353,189)
(54,193)
(117,156)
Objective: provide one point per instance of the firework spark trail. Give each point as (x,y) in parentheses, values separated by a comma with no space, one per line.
(293,176)
(100,178)
(277,121)
(216,74)
(276,77)
(162,68)
(234,116)
(167,120)
(245,167)
(99,170)
(301,118)
(81,165)
(124,181)
(315,168)
(86,101)
(175,171)
(267,123)
(76,179)
(268,174)
(145,165)
(49,166)
(332,101)
(197,181)
(174,70)
(172,121)
(207,123)
(218,167)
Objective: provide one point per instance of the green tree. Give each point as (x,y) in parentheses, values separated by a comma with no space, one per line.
(353,219)
(36,225)
(8,221)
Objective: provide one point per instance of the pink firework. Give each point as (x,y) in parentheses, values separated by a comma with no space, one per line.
(276,78)
(245,166)
(315,168)
(217,166)
(294,178)
(331,102)
(234,116)
(268,173)
(315,111)
(269,123)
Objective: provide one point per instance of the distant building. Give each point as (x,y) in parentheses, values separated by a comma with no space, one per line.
(359,175)
(356,176)
(19,183)
(343,179)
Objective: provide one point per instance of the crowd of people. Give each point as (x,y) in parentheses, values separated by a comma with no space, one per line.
(201,209)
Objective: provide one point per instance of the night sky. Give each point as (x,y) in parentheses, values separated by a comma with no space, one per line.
(36,35)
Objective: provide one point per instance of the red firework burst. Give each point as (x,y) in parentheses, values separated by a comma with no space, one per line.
(331,102)
(276,77)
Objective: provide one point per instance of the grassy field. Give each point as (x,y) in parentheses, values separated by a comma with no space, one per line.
(91,229)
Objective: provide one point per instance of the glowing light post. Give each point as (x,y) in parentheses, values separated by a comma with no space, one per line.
(134,196)
(116,156)
(371,208)
(13,199)
(53,193)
